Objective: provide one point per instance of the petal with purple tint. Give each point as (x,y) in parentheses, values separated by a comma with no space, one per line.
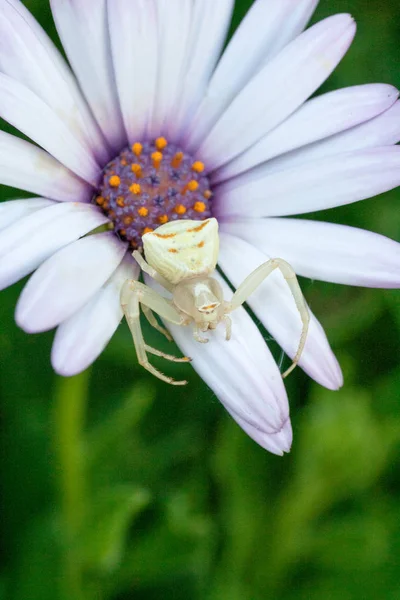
(14,210)
(383,130)
(274,305)
(67,281)
(82,338)
(325,251)
(32,239)
(243,375)
(172,49)
(317,119)
(83,29)
(27,167)
(27,112)
(269,99)
(28,55)
(210,23)
(270,25)
(134,46)
(316,185)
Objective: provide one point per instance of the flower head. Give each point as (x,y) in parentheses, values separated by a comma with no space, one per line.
(155,125)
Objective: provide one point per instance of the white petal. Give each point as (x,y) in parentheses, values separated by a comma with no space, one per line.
(274,305)
(134,45)
(83,29)
(29,241)
(27,112)
(269,99)
(383,130)
(210,23)
(243,375)
(277,443)
(67,280)
(81,338)
(317,119)
(268,26)
(14,210)
(325,251)
(316,185)
(172,56)
(27,167)
(28,55)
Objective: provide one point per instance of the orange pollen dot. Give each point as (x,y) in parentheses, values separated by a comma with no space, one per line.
(163,219)
(128,220)
(120,201)
(201,245)
(156,157)
(180,209)
(135,189)
(161,143)
(100,200)
(137,149)
(122,232)
(173,250)
(207,195)
(193,185)
(147,230)
(199,207)
(106,205)
(111,214)
(124,162)
(137,169)
(143,211)
(115,181)
(198,166)
(176,161)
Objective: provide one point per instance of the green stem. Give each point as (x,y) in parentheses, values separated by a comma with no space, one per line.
(70,412)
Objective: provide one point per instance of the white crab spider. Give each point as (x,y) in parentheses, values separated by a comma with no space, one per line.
(180,256)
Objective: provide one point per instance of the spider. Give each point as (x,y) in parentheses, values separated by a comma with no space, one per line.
(180,256)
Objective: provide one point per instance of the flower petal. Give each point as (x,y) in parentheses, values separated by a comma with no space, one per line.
(316,185)
(269,25)
(27,167)
(325,251)
(67,280)
(81,338)
(14,210)
(134,45)
(172,55)
(28,55)
(274,305)
(383,130)
(29,241)
(266,101)
(83,29)
(243,375)
(33,117)
(210,23)
(317,119)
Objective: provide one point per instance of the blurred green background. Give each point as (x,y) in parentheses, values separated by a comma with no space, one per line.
(115,486)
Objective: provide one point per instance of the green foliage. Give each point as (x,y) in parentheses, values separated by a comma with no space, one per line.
(117,487)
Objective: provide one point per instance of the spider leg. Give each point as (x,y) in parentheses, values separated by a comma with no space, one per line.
(154,323)
(228,326)
(133,294)
(255,279)
(146,268)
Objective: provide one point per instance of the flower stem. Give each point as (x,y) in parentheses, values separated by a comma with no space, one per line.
(70,408)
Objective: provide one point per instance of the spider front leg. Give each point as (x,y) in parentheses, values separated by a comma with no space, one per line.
(252,282)
(133,294)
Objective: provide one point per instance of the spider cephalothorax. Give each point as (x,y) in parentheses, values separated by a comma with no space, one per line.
(181,255)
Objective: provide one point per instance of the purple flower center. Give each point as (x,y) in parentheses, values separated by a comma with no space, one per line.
(150,184)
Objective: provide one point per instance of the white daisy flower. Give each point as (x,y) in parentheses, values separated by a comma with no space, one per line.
(156,125)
